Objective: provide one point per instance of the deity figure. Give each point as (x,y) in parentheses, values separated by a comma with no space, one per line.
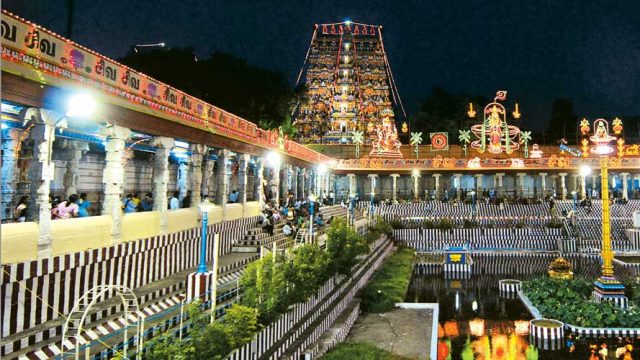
(495,130)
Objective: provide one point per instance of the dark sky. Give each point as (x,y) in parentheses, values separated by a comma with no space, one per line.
(587,51)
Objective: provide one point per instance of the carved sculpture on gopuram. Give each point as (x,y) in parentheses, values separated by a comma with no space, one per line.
(494,134)
(386,143)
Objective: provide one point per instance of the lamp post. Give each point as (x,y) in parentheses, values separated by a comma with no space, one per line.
(371,205)
(473,203)
(312,199)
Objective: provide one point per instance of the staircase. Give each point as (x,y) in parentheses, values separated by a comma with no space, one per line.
(257,237)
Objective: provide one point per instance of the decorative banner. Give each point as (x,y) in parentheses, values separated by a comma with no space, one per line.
(355,29)
(439,141)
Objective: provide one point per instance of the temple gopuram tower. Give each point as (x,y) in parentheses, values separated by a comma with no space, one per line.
(349,85)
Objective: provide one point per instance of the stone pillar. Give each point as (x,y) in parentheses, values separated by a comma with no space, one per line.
(416,179)
(10,138)
(222,178)
(436,177)
(574,183)
(275,186)
(41,172)
(543,183)
(195,172)
(625,186)
(207,176)
(521,183)
(113,176)
(352,184)
(303,187)
(593,183)
(373,179)
(563,185)
(74,150)
(183,179)
(258,183)
(294,182)
(479,185)
(458,184)
(161,179)
(583,187)
(243,164)
(394,179)
(498,182)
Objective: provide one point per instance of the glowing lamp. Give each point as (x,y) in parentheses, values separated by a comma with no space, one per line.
(516,113)
(471,113)
(584,126)
(585,170)
(415,172)
(476,327)
(81,105)
(617,126)
(521,327)
(322,168)
(405,127)
(274,160)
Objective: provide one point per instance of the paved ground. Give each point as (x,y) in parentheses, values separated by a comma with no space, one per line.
(406,332)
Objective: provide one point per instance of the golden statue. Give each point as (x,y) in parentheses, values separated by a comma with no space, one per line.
(560,268)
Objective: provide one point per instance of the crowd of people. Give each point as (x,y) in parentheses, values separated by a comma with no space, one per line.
(294,212)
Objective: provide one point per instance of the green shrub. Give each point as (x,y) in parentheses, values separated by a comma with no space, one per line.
(470,224)
(344,246)
(396,224)
(554,224)
(389,284)
(570,302)
(444,224)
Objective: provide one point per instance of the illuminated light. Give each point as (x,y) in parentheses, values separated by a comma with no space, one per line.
(474,163)
(81,105)
(451,329)
(476,327)
(535,152)
(415,172)
(617,126)
(181,144)
(405,127)
(516,113)
(347,21)
(322,168)
(274,159)
(584,126)
(471,113)
(517,163)
(585,170)
(522,327)
(4,126)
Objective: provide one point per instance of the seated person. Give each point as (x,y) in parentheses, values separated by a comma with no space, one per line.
(287,229)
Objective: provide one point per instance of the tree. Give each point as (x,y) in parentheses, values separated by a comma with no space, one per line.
(240,323)
(307,271)
(344,246)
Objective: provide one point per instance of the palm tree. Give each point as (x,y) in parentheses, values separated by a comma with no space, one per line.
(465,138)
(416,140)
(525,137)
(358,139)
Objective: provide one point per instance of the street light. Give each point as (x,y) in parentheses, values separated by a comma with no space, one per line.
(274,160)
(473,203)
(585,171)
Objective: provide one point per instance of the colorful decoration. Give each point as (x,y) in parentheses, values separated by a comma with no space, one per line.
(474,163)
(617,126)
(471,113)
(601,138)
(386,143)
(476,327)
(494,134)
(416,140)
(465,138)
(405,127)
(536,153)
(358,140)
(584,127)
(516,113)
(525,137)
(439,141)
(620,146)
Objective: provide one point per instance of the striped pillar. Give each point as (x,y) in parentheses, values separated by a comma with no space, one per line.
(198,285)
(547,334)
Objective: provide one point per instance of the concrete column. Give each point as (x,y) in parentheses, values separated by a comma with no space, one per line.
(373,179)
(195,172)
(437,189)
(543,183)
(206,177)
(521,183)
(183,179)
(498,182)
(625,186)
(10,138)
(593,182)
(74,150)
(394,179)
(243,164)
(458,184)
(161,179)
(41,172)
(563,185)
(258,183)
(113,176)
(574,183)
(352,184)
(479,185)
(583,187)
(275,186)
(222,178)
(416,179)
(294,182)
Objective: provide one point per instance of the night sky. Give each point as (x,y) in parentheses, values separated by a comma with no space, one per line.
(586,51)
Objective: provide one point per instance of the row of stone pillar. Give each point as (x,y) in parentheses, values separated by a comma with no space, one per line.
(579,183)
